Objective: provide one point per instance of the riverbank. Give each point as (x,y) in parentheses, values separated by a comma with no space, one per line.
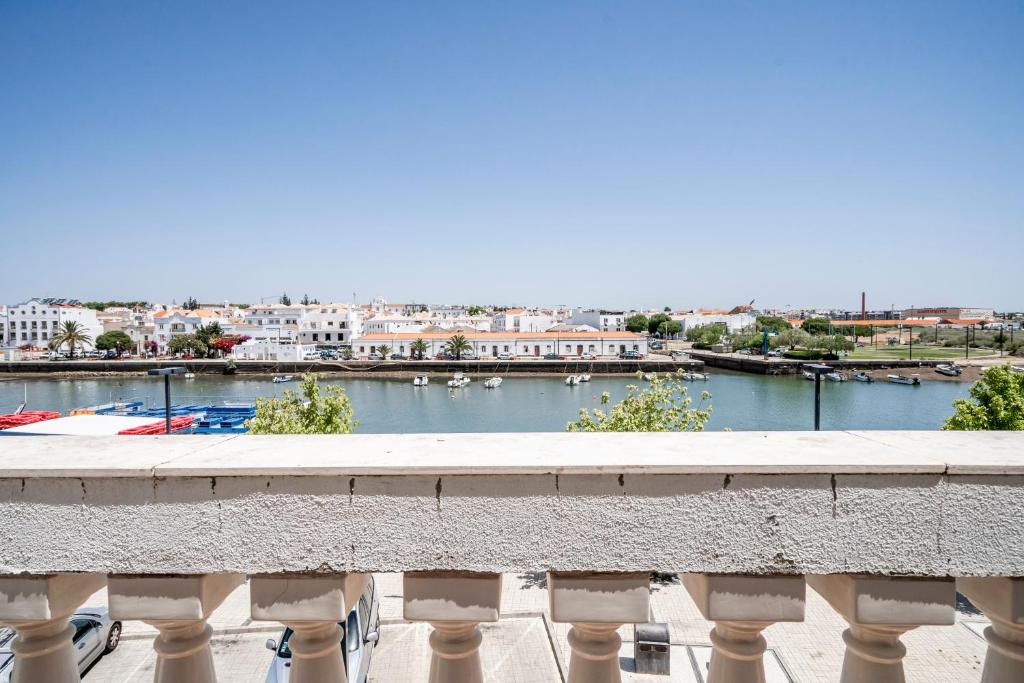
(81,369)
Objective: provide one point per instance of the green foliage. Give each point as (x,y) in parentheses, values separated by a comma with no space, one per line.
(418,349)
(305,412)
(190,304)
(663,406)
(793,338)
(996,403)
(637,323)
(816,325)
(384,350)
(188,344)
(746,340)
(104,305)
(670,327)
(772,323)
(832,343)
(72,335)
(116,340)
(457,346)
(655,320)
(706,334)
(477,310)
(285,300)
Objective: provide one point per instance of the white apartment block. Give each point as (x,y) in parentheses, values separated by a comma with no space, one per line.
(516,344)
(600,319)
(734,322)
(330,324)
(523,320)
(37,321)
(178,321)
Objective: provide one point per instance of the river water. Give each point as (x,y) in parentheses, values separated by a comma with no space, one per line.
(532,404)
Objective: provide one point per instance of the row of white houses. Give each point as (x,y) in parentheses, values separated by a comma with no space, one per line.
(516,344)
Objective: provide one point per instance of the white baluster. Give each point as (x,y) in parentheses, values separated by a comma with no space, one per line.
(311,606)
(178,606)
(38,609)
(454,603)
(597,605)
(742,607)
(1002,601)
(879,611)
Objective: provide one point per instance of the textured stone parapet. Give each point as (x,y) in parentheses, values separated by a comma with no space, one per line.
(924,504)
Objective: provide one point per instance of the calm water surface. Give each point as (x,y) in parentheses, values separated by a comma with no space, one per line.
(533,404)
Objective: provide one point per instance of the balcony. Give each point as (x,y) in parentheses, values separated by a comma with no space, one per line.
(885,528)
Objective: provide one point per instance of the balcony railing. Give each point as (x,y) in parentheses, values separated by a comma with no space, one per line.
(886,526)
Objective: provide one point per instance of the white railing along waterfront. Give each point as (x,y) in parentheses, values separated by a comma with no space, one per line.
(886,526)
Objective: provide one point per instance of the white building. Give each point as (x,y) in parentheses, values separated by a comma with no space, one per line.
(176,322)
(733,321)
(284,350)
(600,319)
(37,321)
(523,320)
(330,324)
(138,325)
(517,344)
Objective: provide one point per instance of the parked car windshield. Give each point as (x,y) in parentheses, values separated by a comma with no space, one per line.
(285,652)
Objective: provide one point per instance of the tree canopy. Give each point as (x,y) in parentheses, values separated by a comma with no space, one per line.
(772,323)
(457,346)
(116,340)
(655,320)
(816,325)
(190,304)
(308,411)
(663,406)
(637,323)
(188,344)
(285,300)
(996,403)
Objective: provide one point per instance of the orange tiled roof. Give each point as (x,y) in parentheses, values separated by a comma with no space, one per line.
(445,336)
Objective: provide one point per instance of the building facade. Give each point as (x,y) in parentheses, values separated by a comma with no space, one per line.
(516,344)
(37,322)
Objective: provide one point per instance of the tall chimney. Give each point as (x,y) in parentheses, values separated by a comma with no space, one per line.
(863,306)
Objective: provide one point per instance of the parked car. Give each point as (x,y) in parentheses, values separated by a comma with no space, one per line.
(552,356)
(312,355)
(95,635)
(504,355)
(588,356)
(398,356)
(746,352)
(361,632)
(631,355)
(375,356)
(775,353)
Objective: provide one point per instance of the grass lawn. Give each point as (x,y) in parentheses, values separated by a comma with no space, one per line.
(920,352)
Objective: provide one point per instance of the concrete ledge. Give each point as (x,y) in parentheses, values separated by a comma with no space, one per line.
(880,503)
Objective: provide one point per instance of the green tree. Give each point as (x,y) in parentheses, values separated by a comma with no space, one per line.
(637,323)
(308,411)
(793,338)
(655,320)
(457,346)
(116,340)
(670,327)
(667,309)
(418,349)
(190,304)
(188,344)
(706,334)
(305,300)
(284,300)
(816,325)
(384,350)
(72,335)
(477,310)
(772,323)
(663,406)
(996,403)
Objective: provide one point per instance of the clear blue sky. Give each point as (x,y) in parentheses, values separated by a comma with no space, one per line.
(618,154)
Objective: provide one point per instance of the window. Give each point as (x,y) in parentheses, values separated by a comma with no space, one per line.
(327,336)
(362,349)
(353,638)
(316,337)
(526,349)
(506,347)
(364,615)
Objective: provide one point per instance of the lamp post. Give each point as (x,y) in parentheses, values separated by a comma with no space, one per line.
(166,374)
(818,371)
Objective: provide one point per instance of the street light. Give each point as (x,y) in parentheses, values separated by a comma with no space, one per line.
(818,371)
(166,374)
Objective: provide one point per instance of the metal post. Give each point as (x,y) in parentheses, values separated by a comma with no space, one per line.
(817,401)
(167,401)
(967,342)
(910,336)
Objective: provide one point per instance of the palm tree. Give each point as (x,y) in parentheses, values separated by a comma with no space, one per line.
(419,348)
(72,334)
(384,350)
(458,345)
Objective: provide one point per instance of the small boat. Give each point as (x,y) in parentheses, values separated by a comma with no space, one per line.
(420,381)
(282,378)
(572,380)
(861,376)
(492,383)
(949,369)
(648,376)
(913,380)
(808,374)
(584,378)
(835,376)
(694,376)
(1017,368)
(189,375)
(458,381)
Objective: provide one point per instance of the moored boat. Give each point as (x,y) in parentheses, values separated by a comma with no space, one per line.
(861,376)
(584,377)
(1017,368)
(189,375)
(458,381)
(835,376)
(913,380)
(492,383)
(420,381)
(808,374)
(572,380)
(282,378)
(949,369)
(694,376)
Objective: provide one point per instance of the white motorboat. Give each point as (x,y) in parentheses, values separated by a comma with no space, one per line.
(572,380)
(458,381)
(584,377)
(1017,368)
(861,376)
(492,383)
(835,376)
(949,369)
(913,380)
(808,374)
(189,375)
(282,378)
(694,376)
(649,376)
(421,381)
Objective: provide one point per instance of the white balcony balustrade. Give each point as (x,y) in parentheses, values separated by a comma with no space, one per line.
(885,526)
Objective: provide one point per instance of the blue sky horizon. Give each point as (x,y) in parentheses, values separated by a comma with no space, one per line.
(599,154)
